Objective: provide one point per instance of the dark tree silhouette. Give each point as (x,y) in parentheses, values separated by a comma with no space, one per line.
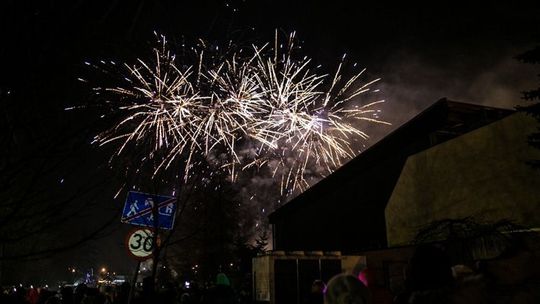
(533,96)
(468,239)
(46,188)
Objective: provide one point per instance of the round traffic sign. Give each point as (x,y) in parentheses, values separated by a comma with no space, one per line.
(140,243)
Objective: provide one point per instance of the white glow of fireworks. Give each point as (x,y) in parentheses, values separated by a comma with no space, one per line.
(306,125)
(295,116)
(160,106)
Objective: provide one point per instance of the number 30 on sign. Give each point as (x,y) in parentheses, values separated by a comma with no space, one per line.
(140,243)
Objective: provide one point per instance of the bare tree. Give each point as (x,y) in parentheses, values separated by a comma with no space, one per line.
(533,96)
(42,190)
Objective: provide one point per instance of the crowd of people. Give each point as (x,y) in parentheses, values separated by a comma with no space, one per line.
(430,277)
(513,277)
(81,294)
(219,291)
(345,289)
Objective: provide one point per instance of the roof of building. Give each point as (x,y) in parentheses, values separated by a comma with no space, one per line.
(438,123)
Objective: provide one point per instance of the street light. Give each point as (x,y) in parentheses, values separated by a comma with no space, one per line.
(103,269)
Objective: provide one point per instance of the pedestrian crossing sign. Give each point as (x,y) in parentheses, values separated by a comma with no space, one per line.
(139,210)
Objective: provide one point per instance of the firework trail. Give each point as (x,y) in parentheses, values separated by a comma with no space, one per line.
(306,125)
(295,116)
(160,107)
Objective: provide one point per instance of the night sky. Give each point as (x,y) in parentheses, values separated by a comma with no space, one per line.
(422,53)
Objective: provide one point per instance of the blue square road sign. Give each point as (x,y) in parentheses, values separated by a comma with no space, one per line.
(138,210)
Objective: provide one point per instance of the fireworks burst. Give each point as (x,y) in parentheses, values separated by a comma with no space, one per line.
(306,125)
(160,108)
(295,116)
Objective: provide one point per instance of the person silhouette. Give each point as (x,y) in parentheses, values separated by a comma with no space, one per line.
(346,289)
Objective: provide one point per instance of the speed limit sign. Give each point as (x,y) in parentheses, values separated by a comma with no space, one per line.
(140,243)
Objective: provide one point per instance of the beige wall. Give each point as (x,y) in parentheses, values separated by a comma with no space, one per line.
(481,174)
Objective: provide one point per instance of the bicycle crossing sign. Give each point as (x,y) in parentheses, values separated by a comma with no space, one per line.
(139,210)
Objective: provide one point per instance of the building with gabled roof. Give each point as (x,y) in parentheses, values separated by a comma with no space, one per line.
(364,204)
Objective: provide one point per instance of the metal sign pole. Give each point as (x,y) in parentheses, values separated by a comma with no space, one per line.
(147,210)
(134,282)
